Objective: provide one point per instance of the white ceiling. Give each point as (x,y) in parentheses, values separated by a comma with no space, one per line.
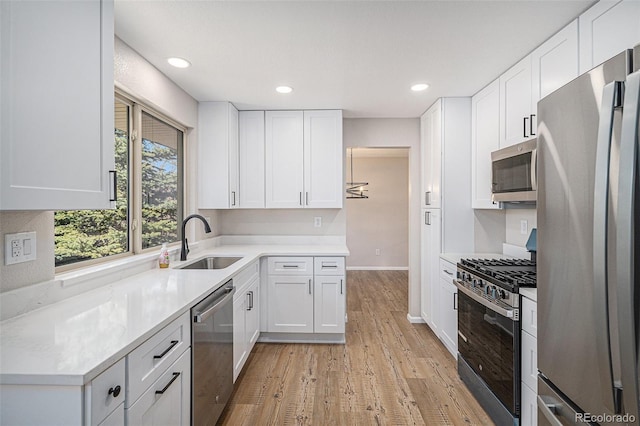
(359,56)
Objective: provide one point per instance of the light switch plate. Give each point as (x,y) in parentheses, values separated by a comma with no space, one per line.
(20,247)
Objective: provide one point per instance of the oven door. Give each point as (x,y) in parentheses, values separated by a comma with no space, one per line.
(489,342)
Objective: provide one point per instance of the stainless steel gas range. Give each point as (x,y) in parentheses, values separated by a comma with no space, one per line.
(489,332)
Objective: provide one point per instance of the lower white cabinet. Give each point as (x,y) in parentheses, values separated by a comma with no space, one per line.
(306,295)
(168,400)
(448,312)
(430,253)
(246,323)
(528,364)
(115,418)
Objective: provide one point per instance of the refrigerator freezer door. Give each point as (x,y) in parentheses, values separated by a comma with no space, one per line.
(567,326)
(628,250)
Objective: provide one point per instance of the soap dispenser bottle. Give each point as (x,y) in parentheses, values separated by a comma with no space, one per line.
(163,260)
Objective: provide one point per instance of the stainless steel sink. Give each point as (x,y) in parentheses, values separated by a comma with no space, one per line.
(213,262)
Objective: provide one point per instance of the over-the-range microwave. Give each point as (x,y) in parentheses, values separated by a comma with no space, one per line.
(513,173)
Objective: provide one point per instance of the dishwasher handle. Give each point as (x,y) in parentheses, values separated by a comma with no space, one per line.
(216,306)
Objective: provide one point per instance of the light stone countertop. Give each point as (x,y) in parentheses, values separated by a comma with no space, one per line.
(529,293)
(72,341)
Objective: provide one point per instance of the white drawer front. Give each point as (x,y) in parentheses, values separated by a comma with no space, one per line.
(328,265)
(148,361)
(168,400)
(107,392)
(245,277)
(447,270)
(529,316)
(290,265)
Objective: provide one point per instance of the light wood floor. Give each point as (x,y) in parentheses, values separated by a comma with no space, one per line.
(390,372)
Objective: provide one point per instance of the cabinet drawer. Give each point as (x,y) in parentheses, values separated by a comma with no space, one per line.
(245,277)
(148,362)
(290,266)
(168,400)
(447,270)
(328,265)
(529,316)
(107,392)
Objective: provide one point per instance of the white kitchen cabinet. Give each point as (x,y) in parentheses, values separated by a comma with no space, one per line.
(251,159)
(168,400)
(430,252)
(554,64)
(529,362)
(448,304)
(246,315)
(303,159)
(485,138)
(431,144)
(329,298)
(515,104)
(218,173)
(106,393)
(606,29)
(290,303)
(57,105)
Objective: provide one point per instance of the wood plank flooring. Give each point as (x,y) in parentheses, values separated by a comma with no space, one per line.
(390,372)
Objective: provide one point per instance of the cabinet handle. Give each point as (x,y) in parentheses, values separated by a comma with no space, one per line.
(306,196)
(175,376)
(531,132)
(427,198)
(455,301)
(300,197)
(309,286)
(525,126)
(234,198)
(427,218)
(290,266)
(115,391)
(329,266)
(341,291)
(114,181)
(173,343)
(250,295)
(447,272)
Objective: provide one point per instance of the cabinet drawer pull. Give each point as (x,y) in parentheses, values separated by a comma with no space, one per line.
(306,196)
(173,343)
(525,127)
(290,266)
(329,266)
(300,197)
(114,182)
(455,301)
(115,391)
(427,198)
(447,272)
(341,291)
(309,286)
(234,198)
(250,296)
(175,376)
(531,130)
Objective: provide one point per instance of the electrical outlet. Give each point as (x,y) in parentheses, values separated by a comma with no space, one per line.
(19,247)
(377,252)
(524,227)
(317,221)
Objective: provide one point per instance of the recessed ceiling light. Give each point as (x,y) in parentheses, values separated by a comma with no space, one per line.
(179,62)
(419,87)
(284,89)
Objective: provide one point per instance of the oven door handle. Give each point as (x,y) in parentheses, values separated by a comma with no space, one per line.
(509,313)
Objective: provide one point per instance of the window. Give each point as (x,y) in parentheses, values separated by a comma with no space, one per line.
(150,192)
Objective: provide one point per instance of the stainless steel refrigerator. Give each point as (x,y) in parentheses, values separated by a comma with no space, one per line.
(588,264)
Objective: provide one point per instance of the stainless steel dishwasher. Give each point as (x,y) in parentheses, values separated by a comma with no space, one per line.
(212,351)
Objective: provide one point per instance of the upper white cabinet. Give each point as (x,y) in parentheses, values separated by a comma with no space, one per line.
(303,159)
(554,63)
(251,159)
(606,29)
(431,128)
(56,105)
(515,104)
(218,174)
(485,138)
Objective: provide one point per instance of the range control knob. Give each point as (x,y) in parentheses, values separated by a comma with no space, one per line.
(459,274)
(474,283)
(486,290)
(503,294)
(493,292)
(480,283)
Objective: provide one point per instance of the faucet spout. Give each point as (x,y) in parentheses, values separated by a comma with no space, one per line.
(184,250)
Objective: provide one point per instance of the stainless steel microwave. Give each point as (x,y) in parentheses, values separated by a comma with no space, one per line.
(513,173)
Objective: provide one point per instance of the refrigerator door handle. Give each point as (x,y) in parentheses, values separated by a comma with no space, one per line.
(534,169)
(625,240)
(610,95)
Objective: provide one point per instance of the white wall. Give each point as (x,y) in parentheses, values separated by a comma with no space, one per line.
(512,227)
(380,222)
(282,222)
(394,133)
(139,78)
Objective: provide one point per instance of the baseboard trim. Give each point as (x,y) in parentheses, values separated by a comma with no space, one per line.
(377,268)
(415,320)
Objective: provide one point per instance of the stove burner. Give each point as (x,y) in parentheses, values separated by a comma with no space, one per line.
(507,273)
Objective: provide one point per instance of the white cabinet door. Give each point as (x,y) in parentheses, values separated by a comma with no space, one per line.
(323,154)
(329,304)
(290,304)
(430,253)
(217,155)
(448,305)
(240,351)
(251,162)
(252,314)
(529,407)
(432,155)
(515,104)
(168,400)
(485,138)
(57,105)
(554,63)
(529,367)
(284,162)
(606,29)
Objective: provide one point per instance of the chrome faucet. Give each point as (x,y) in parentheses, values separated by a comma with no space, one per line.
(185,245)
